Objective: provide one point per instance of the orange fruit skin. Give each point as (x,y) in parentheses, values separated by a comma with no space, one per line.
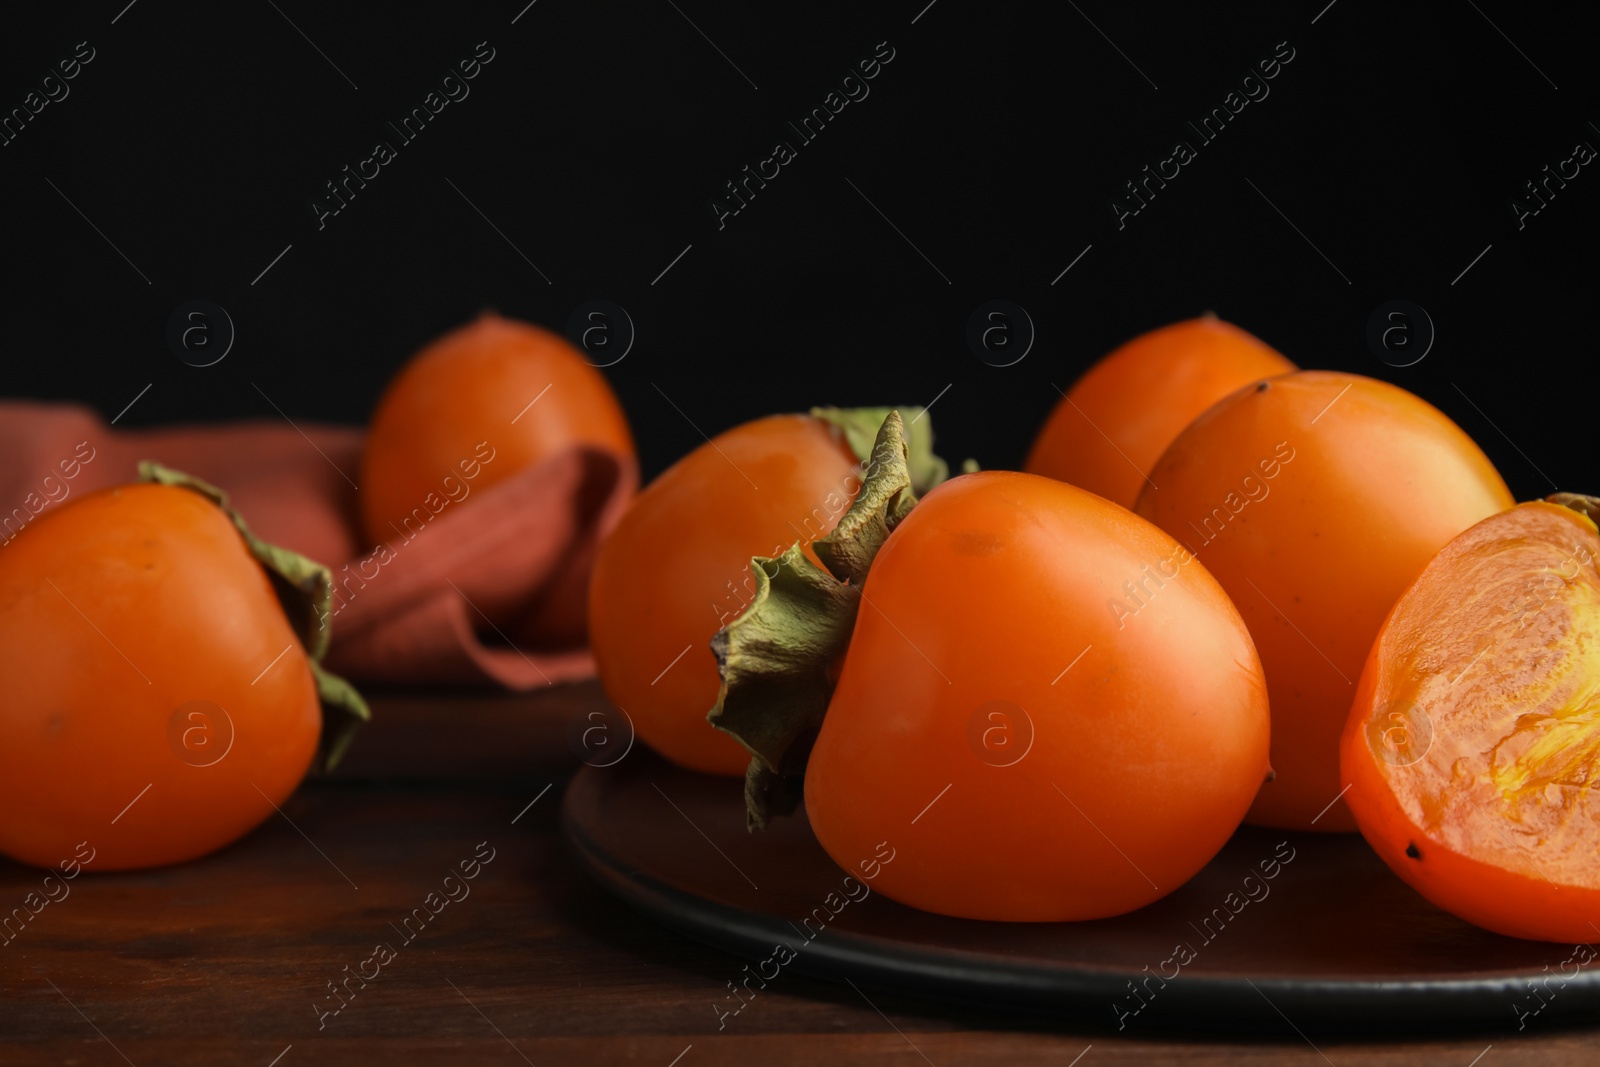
(117,610)
(473,386)
(1315,499)
(1115,422)
(1145,737)
(677,568)
(1492,652)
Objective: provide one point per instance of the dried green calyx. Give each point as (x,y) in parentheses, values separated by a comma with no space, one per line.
(777,658)
(1583,505)
(305,589)
(861,427)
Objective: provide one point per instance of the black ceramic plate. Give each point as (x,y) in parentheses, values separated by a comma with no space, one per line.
(1336,939)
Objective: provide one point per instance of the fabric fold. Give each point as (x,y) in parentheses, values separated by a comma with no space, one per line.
(491,589)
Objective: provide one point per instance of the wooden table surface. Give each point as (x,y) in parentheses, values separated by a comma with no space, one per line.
(229,959)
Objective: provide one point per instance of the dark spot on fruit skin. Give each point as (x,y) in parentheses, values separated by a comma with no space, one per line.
(1411,850)
(1272,775)
(1261,387)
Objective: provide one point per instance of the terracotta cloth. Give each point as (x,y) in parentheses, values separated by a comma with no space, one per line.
(492,588)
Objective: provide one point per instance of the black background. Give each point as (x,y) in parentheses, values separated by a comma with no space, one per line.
(995,139)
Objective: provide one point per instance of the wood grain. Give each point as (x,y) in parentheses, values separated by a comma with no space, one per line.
(226,960)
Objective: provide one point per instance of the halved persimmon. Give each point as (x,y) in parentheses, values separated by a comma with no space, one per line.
(1315,499)
(1114,423)
(1473,745)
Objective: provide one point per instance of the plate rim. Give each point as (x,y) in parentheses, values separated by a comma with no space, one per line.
(1064,991)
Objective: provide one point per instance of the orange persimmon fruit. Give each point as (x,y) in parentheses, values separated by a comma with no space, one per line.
(158,702)
(495,388)
(1315,499)
(1027,753)
(1114,423)
(677,568)
(1473,744)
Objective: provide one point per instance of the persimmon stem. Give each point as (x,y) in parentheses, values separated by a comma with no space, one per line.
(777,657)
(861,427)
(1583,505)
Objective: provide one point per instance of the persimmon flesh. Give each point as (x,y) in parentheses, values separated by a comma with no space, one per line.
(1026,753)
(1116,420)
(1473,744)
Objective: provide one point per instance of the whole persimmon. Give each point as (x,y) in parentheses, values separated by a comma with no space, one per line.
(1021,751)
(677,567)
(1473,743)
(158,701)
(1315,498)
(473,408)
(1117,419)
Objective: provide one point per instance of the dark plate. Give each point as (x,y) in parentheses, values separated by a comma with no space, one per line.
(1336,940)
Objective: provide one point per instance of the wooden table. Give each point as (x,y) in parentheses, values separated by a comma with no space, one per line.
(229,959)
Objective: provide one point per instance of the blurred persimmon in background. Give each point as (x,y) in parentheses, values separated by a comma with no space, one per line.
(1112,426)
(480,404)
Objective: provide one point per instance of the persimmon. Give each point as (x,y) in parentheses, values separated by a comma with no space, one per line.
(677,568)
(159,700)
(495,387)
(1114,423)
(1473,743)
(1315,499)
(1028,753)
